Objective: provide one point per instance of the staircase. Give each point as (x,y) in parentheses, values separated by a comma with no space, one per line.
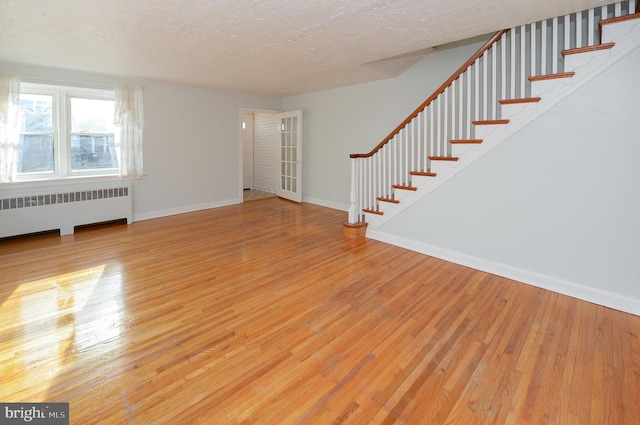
(515,77)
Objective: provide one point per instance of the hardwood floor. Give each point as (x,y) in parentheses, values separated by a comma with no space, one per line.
(262,313)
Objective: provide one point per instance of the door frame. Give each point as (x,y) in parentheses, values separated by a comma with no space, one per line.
(241,146)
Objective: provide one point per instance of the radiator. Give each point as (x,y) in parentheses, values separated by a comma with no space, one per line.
(64,209)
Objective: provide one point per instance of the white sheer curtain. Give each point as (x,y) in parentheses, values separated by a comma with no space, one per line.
(9,114)
(129,122)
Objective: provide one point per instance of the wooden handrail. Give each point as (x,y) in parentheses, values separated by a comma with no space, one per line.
(435,94)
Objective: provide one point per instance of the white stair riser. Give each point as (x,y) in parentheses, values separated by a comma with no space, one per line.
(386,206)
(611,32)
(513,109)
(575,61)
(458,149)
(539,88)
(401,194)
(418,181)
(370,218)
(438,166)
(485,130)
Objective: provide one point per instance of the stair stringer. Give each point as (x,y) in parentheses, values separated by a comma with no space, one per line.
(625,35)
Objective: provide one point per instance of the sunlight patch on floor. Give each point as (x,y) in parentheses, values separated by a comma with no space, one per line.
(51,320)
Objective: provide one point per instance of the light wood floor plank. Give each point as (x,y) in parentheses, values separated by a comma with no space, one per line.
(263,313)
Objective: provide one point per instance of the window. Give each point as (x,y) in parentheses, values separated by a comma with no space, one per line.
(65,132)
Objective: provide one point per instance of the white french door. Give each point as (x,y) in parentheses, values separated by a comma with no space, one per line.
(290,156)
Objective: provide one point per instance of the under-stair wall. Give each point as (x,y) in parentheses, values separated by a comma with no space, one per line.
(555,206)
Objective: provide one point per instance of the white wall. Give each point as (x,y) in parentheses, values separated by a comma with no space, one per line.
(192,135)
(265,151)
(557,205)
(192,149)
(355,119)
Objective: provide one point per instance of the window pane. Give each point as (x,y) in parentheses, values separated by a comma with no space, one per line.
(91,115)
(92,152)
(36,153)
(36,113)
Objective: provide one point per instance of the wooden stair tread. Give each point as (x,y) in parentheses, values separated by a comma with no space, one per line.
(465,141)
(443,158)
(619,19)
(399,186)
(586,49)
(422,173)
(490,122)
(552,76)
(367,210)
(521,100)
(383,199)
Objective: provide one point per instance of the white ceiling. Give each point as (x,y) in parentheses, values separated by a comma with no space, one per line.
(274,47)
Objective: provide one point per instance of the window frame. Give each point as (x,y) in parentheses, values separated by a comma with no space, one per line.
(61,116)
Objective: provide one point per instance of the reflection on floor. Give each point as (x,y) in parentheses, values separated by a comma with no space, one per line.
(252,195)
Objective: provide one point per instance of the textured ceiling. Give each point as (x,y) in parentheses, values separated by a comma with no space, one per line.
(275,47)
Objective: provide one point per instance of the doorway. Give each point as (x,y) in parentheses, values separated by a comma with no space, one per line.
(259,149)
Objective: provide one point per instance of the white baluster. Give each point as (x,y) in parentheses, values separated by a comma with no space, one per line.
(618,8)
(567,32)
(579,29)
(476,90)
(402,154)
(503,68)
(454,103)
(523,72)
(361,185)
(460,104)
(371,182)
(393,164)
(543,48)
(590,28)
(408,153)
(397,160)
(554,46)
(393,167)
(399,157)
(374,176)
(425,139)
(388,168)
(382,171)
(485,82)
(414,140)
(380,175)
(445,121)
(438,124)
(468,119)
(512,41)
(432,129)
(493,101)
(533,48)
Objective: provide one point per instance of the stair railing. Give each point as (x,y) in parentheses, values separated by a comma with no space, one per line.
(499,70)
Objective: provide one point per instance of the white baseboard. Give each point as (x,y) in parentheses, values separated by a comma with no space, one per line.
(183,210)
(198,207)
(328,204)
(561,286)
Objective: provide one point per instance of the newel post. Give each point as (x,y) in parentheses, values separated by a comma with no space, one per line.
(353,227)
(353,207)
